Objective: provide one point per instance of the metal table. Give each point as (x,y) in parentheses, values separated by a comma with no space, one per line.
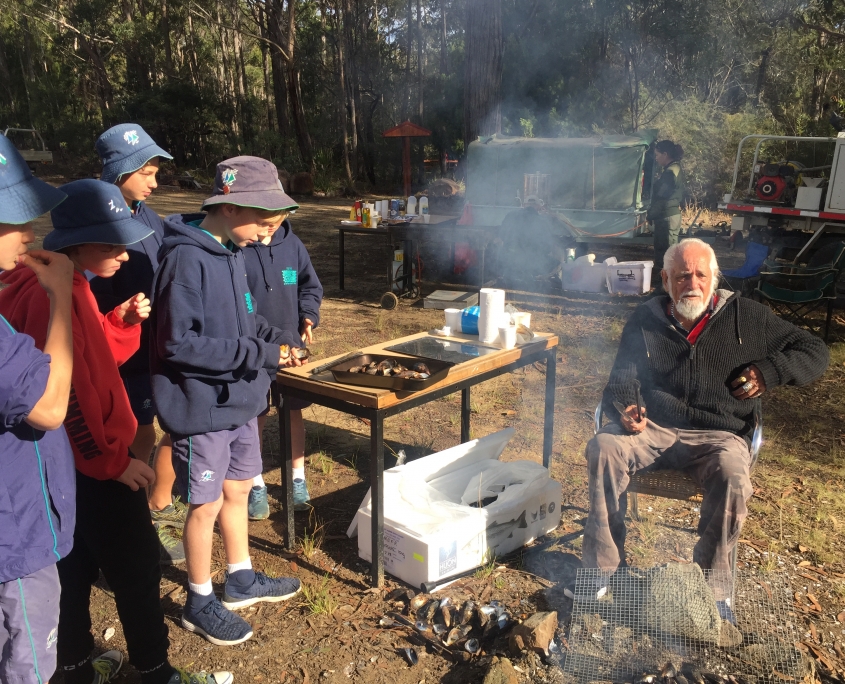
(377,404)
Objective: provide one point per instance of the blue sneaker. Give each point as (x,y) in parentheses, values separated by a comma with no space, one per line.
(258,506)
(206,616)
(301,497)
(240,593)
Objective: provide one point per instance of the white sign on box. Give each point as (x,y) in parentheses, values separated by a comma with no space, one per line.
(432,531)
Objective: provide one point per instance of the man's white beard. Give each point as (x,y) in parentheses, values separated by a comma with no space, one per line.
(692,308)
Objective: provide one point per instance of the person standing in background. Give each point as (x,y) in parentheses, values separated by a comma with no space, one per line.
(665,209)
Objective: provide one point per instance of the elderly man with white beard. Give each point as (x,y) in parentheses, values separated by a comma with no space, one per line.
(695,363)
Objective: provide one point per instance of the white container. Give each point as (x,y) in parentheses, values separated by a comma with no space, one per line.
(583,275)
(727,198)
(453,319)
(629,277)
(430,531)
(374,220)
(507,336)
(423,206)
(521,318)
(808,199)
(411,206)
(426,218)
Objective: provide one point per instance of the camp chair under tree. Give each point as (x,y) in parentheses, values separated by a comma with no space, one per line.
(797,292)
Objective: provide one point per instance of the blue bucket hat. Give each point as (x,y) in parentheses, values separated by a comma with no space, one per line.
(125,148)
(94,212)
(249,182)
(23,197)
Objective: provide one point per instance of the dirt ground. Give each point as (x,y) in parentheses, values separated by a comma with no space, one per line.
(796,527)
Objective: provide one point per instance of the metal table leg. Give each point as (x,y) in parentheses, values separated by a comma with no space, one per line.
(465,414)
(549,416)
(377,497)
(287,471)
(341,263)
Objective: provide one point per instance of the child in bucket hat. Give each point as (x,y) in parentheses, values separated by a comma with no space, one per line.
(131,161)
(113,531)
(213,355)
(37,484)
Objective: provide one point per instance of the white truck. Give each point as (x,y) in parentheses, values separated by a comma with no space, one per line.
(31,145)
(795,202)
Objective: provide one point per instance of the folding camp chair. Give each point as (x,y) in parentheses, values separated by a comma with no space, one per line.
(796,292)
(746,277)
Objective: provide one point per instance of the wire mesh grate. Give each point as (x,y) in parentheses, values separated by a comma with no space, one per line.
(633,621)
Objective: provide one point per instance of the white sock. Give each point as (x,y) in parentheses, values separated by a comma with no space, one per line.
(258,481)
(299,473)
(203,589)
(243,565)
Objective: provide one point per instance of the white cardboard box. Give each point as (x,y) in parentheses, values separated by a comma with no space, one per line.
(630,277)
(429,534)
(808,199)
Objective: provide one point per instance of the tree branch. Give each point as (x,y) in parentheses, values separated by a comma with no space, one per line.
(205,15)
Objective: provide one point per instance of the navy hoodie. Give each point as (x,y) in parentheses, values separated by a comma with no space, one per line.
(283,281)
(134,276)
(211,355)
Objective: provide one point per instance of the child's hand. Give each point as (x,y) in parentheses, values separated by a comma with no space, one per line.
(137,474)
(53,270)
(135,310)
(305,331)
(286,359)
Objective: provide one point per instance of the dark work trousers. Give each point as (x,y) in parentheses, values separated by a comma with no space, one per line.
(666,231)
(718,461)
(114,533)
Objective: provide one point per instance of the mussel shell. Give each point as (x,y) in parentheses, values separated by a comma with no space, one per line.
(502,622)
(498,606)
(446,616)
(422,626)
(387,622)
(472,646)
(420,367)
(453,636)
(418,601)
(396,594)
(488,610)
(668,670)
(428,610)
(465,629)
(301,353)
(411,656)
(445,601)
(466,612)
(439,629)
(483,617)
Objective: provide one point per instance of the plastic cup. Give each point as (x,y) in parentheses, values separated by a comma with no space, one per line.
(426,218)
(453,319)
(507,336)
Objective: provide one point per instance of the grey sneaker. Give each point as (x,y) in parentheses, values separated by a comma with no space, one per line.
(174,514)
(258,507)
(301,497)
(106,666)
(170,544)
(183,677)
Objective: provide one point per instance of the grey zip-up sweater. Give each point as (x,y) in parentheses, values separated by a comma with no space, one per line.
(688,386)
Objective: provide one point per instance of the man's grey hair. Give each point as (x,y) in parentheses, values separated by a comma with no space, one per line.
(679,248)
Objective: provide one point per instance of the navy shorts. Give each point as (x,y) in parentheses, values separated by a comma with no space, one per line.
(202,462)
(274,398)
(139,389)
(29,621)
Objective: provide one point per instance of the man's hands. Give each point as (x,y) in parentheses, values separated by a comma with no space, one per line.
(53,270)
(134,310)
(749,385)
(305,331)
(137,474)
(629,419)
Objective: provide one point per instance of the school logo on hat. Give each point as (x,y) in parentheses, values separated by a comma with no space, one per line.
(228,179)
(131,137)
(114,208)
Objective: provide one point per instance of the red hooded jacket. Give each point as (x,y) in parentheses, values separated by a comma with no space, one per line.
(99,420)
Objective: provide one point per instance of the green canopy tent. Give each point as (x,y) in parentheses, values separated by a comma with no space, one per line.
(594,186)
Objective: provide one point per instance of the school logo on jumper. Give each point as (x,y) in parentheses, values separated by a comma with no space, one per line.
(115,209)
(3,160)
(131,137)
(148,403)
(289,276)
(248,298)
(206,476)
(52,638)
(228,179)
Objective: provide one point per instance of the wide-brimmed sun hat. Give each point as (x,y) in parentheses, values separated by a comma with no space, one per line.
(23,197)
(249,182)
(94,212)
(125,148)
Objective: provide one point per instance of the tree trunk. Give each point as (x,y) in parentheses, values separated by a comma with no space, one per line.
(277,64)
(483,70)
(265,69)
(444,53)
(6,79)
(342,100)
(761,75)
(168,47)
(300,125)
(420,108)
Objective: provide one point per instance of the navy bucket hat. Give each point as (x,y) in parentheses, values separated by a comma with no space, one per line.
(93,212)
(249,182)
(125,148)
(23,197)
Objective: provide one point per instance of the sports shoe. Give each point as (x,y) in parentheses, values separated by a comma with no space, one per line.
(263,588)
(301,497)
(182,677)
(170,544)
(205,615)
(258,506)
(173,514)
(106,666)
